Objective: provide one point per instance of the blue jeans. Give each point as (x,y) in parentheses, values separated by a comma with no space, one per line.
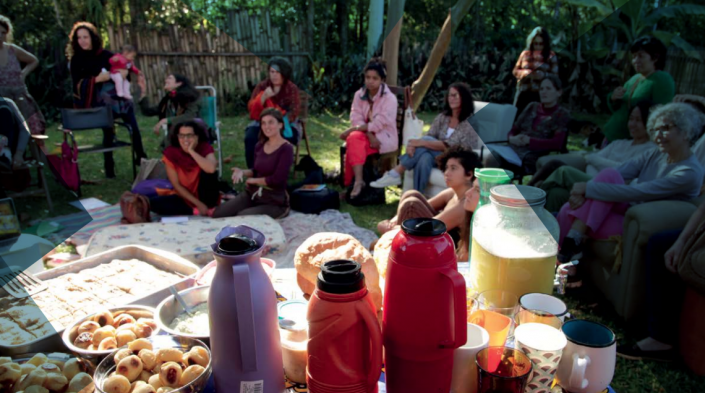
(664,290)
(423,161)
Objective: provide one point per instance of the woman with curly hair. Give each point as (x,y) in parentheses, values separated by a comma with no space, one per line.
(92,87)
(12,79)
(374,124)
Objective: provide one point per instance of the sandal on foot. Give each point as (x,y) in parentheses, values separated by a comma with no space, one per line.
(357,187)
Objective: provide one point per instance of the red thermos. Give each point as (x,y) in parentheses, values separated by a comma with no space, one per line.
(345,341)
(424,309)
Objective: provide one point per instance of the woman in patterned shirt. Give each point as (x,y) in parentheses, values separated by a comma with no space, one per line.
(450,128)
(535,63)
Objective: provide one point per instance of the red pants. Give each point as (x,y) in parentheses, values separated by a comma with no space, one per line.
(357,149)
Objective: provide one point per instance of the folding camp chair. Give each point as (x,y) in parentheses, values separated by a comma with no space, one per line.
(97,119)
(303,117)
(209,114)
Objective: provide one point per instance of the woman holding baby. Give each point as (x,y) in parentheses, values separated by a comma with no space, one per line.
(90,67)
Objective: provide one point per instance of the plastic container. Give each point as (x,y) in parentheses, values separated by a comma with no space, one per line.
(293,332)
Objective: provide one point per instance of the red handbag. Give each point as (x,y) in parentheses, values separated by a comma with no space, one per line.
(65,166)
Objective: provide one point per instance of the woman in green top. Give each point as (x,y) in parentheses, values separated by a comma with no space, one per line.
(650,82)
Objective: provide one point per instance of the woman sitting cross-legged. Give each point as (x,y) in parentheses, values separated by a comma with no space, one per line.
(450,128)
(266,181)
(557,178)
(540,129)
(596,208)
(458,166)
(374,124)
(191,169)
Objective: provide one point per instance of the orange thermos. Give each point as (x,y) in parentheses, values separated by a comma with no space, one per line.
(345,339)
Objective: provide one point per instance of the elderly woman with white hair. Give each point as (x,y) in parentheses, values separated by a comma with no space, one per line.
(596,208)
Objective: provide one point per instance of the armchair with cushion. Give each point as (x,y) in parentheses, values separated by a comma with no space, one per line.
(617,267)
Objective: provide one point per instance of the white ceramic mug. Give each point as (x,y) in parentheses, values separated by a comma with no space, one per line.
(543,302)
(588,361)
(544,345)
(464,366)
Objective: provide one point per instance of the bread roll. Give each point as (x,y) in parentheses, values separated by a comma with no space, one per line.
(139,344)
(170,355)
(190,374)
(149,359)
(79,381)
(83,340)
(10,373)
(197,355)
(124,337)
(130,367)
(71,368)
(121,354)
(88,326)
(170,374)
(103,318)
(155,381)
(382,249)
(56,381)
(116,384)
(327,246)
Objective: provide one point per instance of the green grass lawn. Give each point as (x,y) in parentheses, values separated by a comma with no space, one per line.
(323,130)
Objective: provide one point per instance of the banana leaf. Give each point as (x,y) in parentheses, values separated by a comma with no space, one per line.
(672,12)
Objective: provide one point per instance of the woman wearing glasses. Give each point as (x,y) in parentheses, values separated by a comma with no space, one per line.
(596,208)
(191,169)
(649,83)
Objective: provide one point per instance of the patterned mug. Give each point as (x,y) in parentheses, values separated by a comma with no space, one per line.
(544,345)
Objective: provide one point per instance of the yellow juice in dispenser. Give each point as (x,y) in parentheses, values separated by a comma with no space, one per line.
(514,243)
(511,271)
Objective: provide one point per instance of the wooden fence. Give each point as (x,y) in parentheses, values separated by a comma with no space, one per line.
(228,59)
(688,73)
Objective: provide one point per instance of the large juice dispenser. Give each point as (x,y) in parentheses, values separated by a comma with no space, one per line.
(514,242)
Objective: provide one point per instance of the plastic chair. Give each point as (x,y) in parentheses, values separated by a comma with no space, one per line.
(209,114)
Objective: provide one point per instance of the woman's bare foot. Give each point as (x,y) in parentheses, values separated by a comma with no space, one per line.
(383,227)
(357,189)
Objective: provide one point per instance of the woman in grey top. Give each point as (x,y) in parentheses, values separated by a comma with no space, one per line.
(596,208)
(450,128)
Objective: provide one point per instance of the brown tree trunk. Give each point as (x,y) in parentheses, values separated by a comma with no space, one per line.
(342,7)
(455,16)
(390,52)
(309,26)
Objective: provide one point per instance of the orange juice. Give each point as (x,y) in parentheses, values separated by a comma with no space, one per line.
(511,268)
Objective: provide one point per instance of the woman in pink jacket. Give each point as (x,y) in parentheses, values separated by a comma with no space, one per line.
(374,124)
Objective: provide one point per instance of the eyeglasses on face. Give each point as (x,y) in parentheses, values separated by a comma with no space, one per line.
(187,136)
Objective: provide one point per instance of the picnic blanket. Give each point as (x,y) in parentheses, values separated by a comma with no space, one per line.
(190,239)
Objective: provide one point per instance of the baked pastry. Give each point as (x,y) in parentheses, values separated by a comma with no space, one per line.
(328,246)
(103,318)
(155,381)
(149,358)
(83,340)
(143,330)
(197,355)
(170,355)
(50,368)
(10,373)
(38,359)
(148,321)
(71,368)
(116,384)
(146,388)
(140,344)
(36,377)
(107,344)
(122,354)
(124,337)
(130,367)
(103,333)
(55,381)
(36,389)
(190,374)
(170,374)
(27,368)
(144,375)
(88,326)
(123,319)
(79,381)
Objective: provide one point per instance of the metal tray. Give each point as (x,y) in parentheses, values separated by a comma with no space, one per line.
(158,258)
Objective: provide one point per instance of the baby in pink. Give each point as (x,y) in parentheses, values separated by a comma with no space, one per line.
(120,66)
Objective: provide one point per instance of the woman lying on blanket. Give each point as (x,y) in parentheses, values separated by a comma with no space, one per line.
(458,166)
(191,169)
(540,129)
(596,208)
(266,181)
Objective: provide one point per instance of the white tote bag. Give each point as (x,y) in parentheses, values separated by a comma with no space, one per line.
(413,126)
